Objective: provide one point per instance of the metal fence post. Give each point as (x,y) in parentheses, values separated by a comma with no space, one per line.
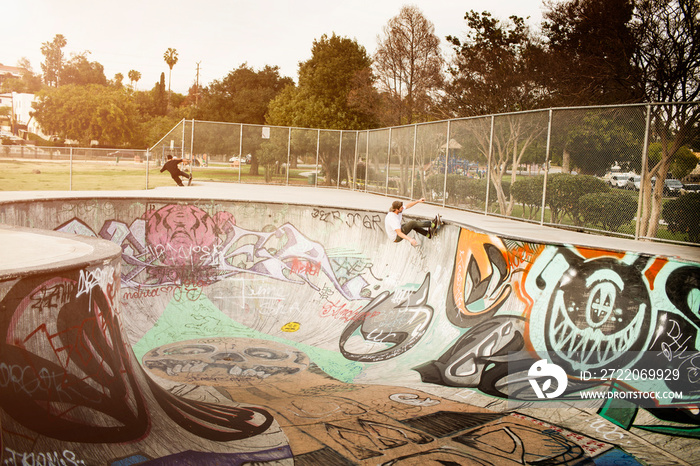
(388,163)
(289,152)
(488,169)
(182,149)
(318,148)
(192,146)
(240,153)
(340,153)
(447,163)
(366,160)
(70,170)
(645,168)
(413,164)
(354,169)
(546,166)
(148,157)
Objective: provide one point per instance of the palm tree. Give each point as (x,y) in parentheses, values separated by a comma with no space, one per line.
(134,76)
(170,58)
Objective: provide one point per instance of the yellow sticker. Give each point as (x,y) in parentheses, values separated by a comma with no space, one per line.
(291,327)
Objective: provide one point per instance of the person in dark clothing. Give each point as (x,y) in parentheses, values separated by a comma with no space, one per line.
(172,166)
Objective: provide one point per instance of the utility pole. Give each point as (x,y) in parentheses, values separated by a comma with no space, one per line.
(196,96)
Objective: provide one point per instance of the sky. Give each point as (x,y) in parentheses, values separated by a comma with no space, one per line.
(217,35)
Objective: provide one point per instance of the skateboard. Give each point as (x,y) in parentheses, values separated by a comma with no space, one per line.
(438,225)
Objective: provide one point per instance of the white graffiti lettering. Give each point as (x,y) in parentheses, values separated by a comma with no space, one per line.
(90,279)
(64,458)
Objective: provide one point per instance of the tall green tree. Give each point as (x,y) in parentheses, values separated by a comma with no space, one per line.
(326,97)
(79,70)
(668,38)
(134,77)
(86,113)
(53,59)
(242,96)
(336,72)
(590,53)
(170,57)
(408,64)
(493,69)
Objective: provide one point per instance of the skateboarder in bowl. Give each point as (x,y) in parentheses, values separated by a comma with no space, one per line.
(396,231)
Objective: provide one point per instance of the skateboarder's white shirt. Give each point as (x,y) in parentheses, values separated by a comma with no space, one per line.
(392,222)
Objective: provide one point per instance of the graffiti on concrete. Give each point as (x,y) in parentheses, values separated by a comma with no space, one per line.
(504,300)
(587,308)
(67,374)
(386,327)
(183,243)
(334,423)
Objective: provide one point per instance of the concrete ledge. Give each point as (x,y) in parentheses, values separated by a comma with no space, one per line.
(29,251)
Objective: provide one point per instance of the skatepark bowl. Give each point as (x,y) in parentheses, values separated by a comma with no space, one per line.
(153,329)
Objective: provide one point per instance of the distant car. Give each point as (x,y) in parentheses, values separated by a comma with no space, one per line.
(634,182)
(672,187)
(244,159)
(690,188)
(620,181)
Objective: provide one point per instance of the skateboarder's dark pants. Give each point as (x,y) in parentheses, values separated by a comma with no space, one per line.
(419,226)
(176,176)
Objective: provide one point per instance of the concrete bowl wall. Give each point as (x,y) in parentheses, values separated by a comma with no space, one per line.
(288,333)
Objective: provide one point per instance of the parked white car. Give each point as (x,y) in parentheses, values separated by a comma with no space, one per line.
(620,180)
(672,187)
(634,182)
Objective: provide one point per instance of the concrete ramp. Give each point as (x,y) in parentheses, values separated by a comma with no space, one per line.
(228,332)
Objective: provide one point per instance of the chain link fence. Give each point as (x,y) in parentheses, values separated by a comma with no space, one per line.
(72,168)
(603,170)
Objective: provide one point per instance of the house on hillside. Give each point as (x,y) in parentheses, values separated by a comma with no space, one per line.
(7,72)
(17,118)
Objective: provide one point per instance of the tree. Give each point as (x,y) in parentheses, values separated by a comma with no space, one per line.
(170,57)
(409,64)
(589,54)
(53,59)
(79,70)
(134,77)
(118,80)
(682,164)
(87,112)
(336,72)
(668,38)
(242,96)
(493,69)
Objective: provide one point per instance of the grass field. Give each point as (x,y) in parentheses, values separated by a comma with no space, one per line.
(97,176)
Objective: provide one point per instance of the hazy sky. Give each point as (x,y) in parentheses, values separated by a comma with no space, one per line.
(218,34)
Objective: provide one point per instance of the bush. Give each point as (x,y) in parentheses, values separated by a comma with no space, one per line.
(464,190)
(528,192)
(362,172)
(681,215)
(564,192)
(611,209)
